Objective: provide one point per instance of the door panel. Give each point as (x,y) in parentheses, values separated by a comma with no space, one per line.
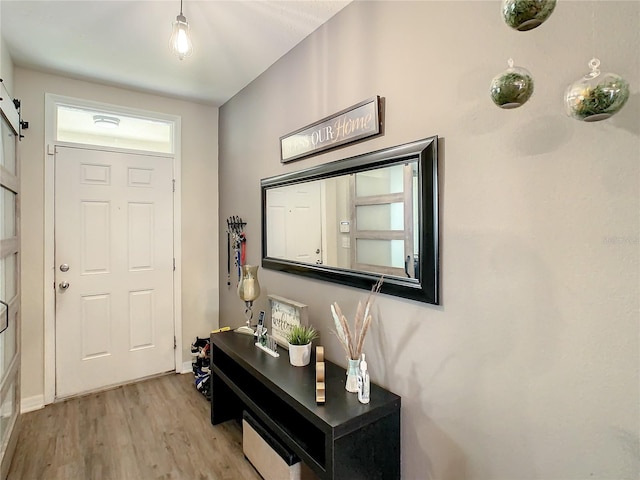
(141,235)
(95,324)
(9,281)
(141,319)
(94,230)
(382,215)
(113,229)
(7,409)
(8,342)
(8,143)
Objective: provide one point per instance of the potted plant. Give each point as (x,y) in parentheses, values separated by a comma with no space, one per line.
(300,338)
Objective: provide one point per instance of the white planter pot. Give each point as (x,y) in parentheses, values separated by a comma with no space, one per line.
(299,355)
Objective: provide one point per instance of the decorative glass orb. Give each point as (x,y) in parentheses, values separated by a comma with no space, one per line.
(596,97)
(512,88)
(524,15)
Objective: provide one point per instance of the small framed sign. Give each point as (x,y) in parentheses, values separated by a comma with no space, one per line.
(285,314)
(359,121)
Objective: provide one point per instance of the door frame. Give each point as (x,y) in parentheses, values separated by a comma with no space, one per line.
(51,101)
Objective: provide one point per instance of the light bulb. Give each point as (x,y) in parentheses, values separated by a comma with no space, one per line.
(180,42)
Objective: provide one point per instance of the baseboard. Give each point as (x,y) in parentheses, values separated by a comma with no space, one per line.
(30,404)
(187,367)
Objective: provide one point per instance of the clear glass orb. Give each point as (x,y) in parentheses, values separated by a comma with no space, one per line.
(524,15)
(596,96)
(512,88)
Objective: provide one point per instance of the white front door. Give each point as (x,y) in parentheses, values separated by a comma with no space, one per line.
(114,268)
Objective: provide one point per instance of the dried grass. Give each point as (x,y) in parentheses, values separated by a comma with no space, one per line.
(354,343)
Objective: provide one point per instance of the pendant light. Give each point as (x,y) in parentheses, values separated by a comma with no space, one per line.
(180,41)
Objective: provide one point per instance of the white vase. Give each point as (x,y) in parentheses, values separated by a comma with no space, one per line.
(300,355)
(351,385)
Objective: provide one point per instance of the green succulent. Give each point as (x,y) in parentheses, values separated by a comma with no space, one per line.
(301,335)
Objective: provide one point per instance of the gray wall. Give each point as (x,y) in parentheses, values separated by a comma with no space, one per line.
(529,368)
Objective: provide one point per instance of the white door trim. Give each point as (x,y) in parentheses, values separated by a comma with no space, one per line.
(51,101)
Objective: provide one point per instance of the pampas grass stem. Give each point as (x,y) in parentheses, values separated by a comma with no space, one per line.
(353,344)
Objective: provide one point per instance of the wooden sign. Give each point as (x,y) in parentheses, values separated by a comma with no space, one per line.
(285,314)
(352,124)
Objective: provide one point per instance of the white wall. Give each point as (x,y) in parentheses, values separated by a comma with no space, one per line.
(199,208)
(530,367)
(6,67)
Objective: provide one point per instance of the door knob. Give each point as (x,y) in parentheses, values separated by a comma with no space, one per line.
(64,285)
(64,267)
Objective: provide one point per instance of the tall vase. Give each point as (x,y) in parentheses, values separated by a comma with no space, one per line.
(352,376)
(248,290)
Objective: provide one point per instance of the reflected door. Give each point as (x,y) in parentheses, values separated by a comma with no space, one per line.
(294,216)
(9,282)
(114,268)
(383,215)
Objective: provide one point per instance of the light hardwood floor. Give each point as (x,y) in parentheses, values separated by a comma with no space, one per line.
(155,429)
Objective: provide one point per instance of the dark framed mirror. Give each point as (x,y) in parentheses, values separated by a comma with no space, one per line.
(353,220)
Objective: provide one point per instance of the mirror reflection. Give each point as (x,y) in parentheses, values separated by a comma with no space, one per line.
(365,221)
(353,220)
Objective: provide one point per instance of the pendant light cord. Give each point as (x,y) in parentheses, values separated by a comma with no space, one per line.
(593,29)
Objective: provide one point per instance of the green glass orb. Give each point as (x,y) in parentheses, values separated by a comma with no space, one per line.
(512,88)
(595,98)
(524,15)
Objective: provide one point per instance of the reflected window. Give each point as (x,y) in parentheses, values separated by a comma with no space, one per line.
(381,181)
(389,216)
(380,253)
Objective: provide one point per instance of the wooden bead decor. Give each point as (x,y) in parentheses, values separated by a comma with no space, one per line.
(320,392)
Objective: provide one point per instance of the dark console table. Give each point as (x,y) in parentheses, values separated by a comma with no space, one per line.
(342,439)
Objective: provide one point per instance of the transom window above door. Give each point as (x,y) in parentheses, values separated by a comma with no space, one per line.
(93,127)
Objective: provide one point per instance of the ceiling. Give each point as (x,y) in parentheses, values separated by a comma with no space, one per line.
(126,43)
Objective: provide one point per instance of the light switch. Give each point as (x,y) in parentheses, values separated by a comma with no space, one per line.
(346,242)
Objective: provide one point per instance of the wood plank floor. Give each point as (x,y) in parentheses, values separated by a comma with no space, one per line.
(155,429)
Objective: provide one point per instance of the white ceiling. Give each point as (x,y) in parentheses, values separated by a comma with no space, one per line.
(126,43)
